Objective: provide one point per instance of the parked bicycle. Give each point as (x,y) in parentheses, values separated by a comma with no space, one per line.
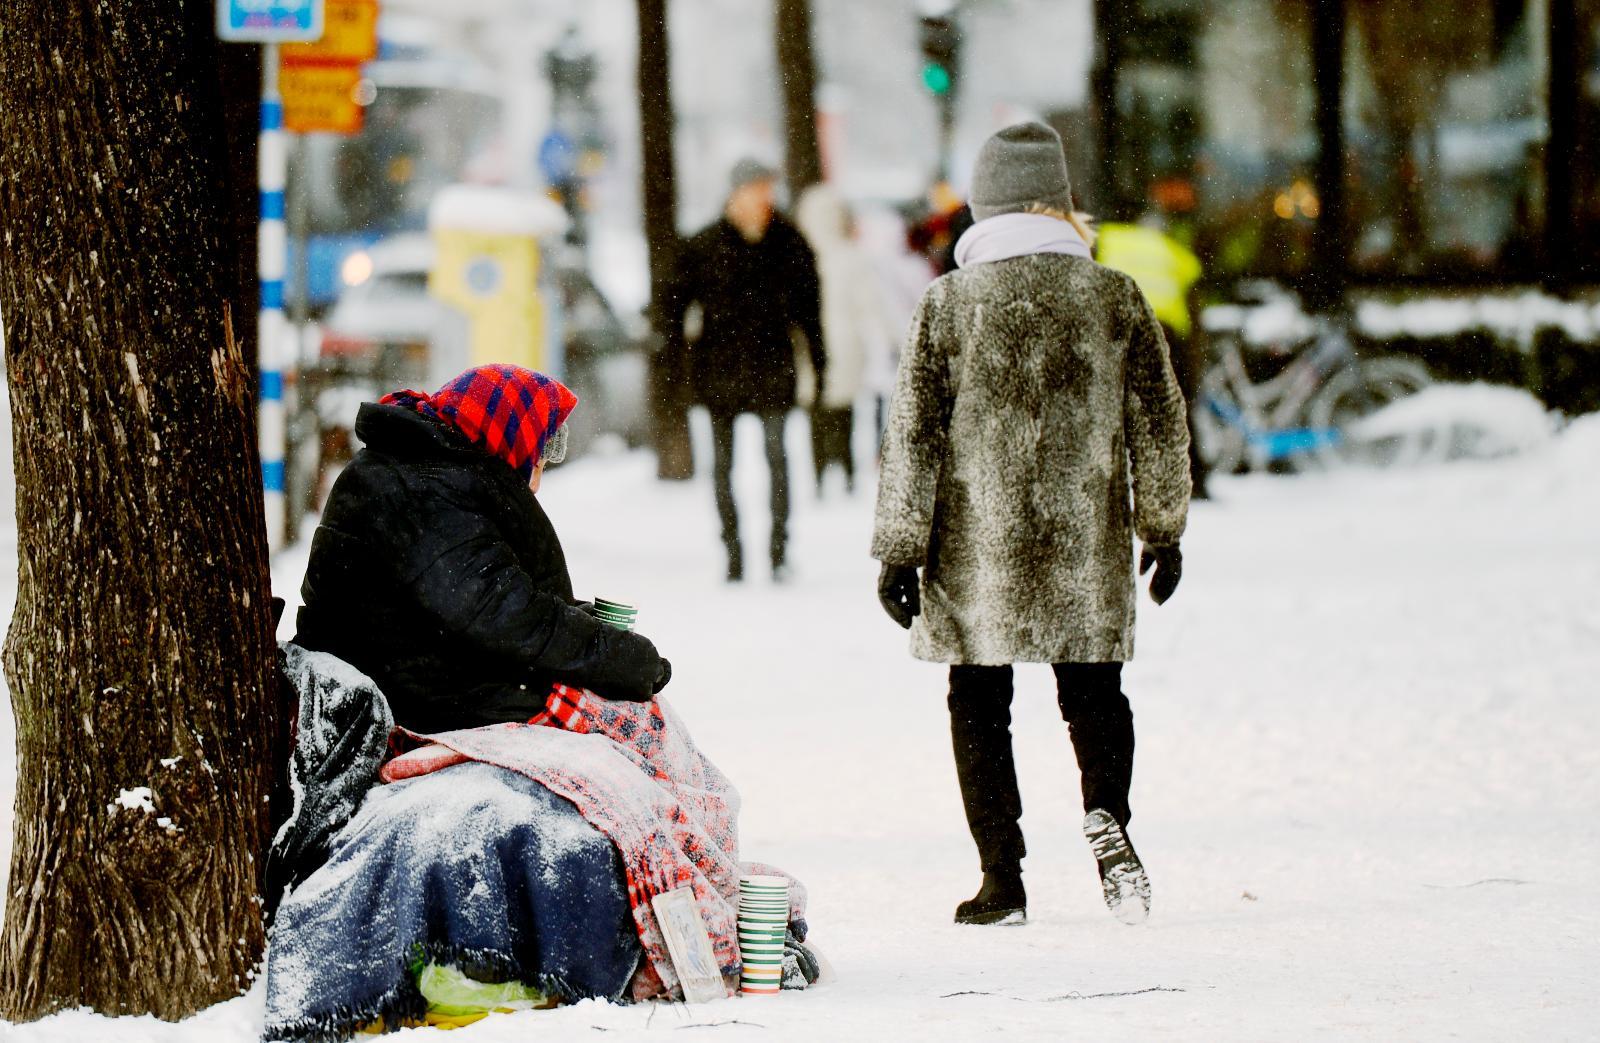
(1307,414)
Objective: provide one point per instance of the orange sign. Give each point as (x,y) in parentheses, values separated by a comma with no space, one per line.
(349,35)
(319,81)
(320,98)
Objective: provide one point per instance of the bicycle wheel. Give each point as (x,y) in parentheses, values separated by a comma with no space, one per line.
(1359,390)
(1218,430)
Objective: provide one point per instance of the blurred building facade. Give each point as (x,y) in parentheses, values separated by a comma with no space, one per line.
(1456,141)
(1430,169)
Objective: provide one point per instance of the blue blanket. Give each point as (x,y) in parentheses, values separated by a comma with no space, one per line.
(474,866)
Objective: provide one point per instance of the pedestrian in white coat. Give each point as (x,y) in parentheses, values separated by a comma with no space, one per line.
(856,326)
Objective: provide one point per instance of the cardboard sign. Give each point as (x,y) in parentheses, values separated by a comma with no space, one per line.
(689,945)
(349,35)
(320,98)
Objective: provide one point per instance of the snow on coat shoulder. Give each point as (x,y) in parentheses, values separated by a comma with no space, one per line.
(1030,392)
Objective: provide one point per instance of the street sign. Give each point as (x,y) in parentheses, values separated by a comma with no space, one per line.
(320,98)
(349,34)
(269,21)
(320,79)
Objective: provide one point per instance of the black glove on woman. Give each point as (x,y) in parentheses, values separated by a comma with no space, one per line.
(900,593)
(1169,570)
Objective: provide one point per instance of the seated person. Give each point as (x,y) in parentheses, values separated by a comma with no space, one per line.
(436,573)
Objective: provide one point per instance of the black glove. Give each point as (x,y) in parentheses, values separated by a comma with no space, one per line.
(621,665)
(1169,570)
(900,593)
(663,678)
(800,966)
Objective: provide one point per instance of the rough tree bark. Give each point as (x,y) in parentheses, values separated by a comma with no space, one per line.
(669,379)
(797,73)
(140,655)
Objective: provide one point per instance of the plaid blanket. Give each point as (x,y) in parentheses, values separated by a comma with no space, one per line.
(635,774)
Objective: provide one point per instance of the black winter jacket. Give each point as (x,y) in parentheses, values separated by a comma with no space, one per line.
(436,573)
(751,295)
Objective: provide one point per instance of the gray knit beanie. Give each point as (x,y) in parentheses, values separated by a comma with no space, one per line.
(748,171)
(1019,166)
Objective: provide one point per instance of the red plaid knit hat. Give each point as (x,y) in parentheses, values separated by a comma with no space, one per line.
(511,412)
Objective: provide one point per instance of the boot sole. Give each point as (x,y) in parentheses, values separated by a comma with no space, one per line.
(1123,882)
(997,918)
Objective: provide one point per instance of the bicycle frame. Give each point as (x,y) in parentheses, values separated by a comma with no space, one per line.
(1265,414)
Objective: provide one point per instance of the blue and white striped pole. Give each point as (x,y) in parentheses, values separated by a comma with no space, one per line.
(271,263)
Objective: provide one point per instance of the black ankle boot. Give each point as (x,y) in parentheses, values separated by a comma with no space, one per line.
(1001,900)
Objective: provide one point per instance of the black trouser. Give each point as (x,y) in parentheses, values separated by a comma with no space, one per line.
(722,478)
(1099,721)
(831,432)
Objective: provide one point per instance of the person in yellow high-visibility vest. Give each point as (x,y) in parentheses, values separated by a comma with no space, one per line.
(1166,271)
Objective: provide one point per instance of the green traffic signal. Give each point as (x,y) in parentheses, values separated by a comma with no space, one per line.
(936,78)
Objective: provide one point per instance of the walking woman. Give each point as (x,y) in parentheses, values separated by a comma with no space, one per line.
(1032,383)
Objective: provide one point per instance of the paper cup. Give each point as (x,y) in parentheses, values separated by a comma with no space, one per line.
(763,926)
(773,883)
(760,954)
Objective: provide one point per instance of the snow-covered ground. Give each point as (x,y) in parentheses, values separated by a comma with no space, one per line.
(1367,790)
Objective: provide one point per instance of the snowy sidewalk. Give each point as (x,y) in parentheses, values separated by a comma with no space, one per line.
(1366,790)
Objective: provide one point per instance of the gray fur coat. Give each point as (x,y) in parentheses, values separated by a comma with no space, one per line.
(1028,390)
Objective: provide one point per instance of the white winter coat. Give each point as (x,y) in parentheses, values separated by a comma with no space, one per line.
(856,326)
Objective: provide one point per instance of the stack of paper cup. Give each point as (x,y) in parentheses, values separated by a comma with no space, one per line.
(763,924)
(616,613)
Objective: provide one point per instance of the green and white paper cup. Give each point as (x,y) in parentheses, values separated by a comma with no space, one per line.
(763,925)
(615,613)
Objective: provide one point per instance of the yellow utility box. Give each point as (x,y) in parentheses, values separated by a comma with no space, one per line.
(486,267)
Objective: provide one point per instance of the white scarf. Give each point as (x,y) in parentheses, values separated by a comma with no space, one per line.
(1018,235)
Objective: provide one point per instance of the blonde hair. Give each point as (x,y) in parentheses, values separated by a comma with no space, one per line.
(1080,221)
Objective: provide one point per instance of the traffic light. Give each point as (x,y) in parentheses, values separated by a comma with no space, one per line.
(941,51)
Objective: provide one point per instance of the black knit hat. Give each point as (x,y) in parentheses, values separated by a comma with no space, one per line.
(1021,165)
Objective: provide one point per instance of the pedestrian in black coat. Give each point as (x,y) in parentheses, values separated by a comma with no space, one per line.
(436,573)
(755,282)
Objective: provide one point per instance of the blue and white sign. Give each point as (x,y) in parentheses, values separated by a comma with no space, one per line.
(269,21)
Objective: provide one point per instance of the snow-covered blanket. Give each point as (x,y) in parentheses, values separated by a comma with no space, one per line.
(635,774)
(472,866)
(341,738)
(538,863)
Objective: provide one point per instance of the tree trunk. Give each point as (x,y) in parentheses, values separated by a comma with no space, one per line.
(669,379)
(140,658)
(797,72)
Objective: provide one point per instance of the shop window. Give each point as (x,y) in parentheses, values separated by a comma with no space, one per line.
(1586,167)
(1216,130)
(1445,127)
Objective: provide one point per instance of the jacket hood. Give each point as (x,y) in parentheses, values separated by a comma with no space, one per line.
(401,431)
